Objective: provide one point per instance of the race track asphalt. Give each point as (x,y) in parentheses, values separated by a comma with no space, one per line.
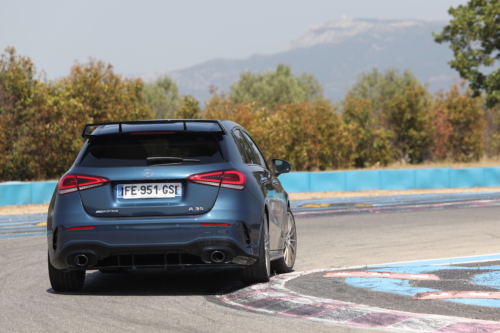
(184,300)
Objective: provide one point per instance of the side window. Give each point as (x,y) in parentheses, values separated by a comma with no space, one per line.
(243,147)
(256,151)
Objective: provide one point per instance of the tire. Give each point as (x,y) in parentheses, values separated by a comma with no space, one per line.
(285,264)
(61,280)
(260,271)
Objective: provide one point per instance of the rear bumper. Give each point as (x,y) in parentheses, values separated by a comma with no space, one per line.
(116,236)
(152,245)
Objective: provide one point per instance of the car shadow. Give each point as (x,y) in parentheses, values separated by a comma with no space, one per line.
(160,282)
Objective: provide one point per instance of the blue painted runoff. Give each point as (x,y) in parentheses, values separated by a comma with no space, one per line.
(397,286)
(403,287)
(490,279)
(418,269)
(451,261)
(477,301)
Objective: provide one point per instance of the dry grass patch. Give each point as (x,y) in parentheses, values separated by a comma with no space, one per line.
(372,193)
(484,162)
(26,209)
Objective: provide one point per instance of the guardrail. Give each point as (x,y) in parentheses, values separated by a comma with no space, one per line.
(404,179)
(23,193)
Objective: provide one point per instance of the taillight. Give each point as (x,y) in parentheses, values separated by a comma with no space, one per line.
(233,179)
(73,183)
(90,227)
(228,179)
(207,178)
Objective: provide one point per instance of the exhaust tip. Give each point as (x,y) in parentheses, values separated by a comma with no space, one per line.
(217,256)
(81,260)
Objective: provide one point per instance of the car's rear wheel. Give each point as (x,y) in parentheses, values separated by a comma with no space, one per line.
(285,264)
(61,280)
(260,271)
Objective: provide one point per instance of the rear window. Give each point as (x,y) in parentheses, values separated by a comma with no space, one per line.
(133,150)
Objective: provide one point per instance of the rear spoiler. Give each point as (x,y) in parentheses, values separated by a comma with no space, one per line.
(87,130)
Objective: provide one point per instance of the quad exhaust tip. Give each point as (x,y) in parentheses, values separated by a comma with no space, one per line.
(81,260)
(217,256)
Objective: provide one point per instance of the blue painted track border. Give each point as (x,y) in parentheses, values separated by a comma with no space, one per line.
(403,287)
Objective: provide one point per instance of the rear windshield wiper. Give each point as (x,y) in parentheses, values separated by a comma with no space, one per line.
(168,160)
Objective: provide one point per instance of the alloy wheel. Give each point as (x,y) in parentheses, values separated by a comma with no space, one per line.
(266,249)
(290,250)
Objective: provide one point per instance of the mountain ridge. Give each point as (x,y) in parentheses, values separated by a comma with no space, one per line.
(335,52)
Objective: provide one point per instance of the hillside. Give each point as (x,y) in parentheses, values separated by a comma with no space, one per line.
(335,52)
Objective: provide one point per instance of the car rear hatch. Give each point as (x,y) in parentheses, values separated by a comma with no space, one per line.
(159,169)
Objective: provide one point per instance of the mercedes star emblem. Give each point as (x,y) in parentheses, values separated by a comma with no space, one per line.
(148,173)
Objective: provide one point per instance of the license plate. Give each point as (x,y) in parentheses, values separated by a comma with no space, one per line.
(147,191)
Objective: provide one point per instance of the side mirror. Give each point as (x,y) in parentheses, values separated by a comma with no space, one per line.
(281,166)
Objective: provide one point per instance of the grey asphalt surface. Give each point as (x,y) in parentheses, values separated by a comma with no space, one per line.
(13,226)
(182,301)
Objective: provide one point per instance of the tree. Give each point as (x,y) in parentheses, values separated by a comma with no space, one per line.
(381,86)
(37,120)
(466,118)
(311,135)
(474,37)
(373,143)
(162,96)
(54,127)
(104,95)
(42,121)
(443,129)
(18,102)
(492,131)
(386,125)
(244,113)
(409,116)
(278,87)
(189,108)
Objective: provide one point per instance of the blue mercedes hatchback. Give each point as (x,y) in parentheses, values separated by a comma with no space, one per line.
(169,193)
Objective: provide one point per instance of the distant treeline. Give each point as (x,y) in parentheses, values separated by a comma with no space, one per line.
(384,118)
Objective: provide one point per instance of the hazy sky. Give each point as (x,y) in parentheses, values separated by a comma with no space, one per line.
(139,37)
